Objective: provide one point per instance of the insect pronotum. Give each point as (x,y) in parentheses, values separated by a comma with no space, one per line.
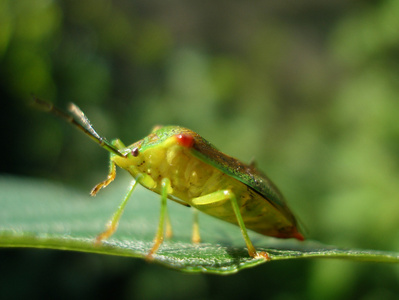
(179,164)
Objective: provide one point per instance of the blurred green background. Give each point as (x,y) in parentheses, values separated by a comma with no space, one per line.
(308,88)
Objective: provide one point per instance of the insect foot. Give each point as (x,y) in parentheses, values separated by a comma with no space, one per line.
(111,228)
(262,254)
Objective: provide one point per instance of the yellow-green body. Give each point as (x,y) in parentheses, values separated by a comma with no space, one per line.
(162,156)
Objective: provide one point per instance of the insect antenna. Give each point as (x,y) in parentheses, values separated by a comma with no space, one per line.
(77,118)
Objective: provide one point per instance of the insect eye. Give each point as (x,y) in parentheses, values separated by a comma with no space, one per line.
(135,151)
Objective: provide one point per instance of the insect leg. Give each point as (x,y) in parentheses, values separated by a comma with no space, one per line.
(196,238)
(160,232)
(225,195)
(168,229)
(112,224)
(110,178)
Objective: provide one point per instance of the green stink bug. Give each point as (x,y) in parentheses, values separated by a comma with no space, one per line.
(179,164)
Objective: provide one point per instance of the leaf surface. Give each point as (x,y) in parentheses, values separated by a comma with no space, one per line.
(41,214)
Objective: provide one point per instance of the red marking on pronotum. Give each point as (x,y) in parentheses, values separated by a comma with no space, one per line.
(185,140)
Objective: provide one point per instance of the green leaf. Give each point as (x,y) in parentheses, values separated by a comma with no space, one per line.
(40,214)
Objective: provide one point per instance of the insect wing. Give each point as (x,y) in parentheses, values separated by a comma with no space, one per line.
(247,174)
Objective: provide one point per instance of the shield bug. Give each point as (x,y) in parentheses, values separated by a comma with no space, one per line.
(180,165)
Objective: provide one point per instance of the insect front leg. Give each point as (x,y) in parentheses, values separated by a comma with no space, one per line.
(110,178)
(223,195)
(159,237)
(112,224)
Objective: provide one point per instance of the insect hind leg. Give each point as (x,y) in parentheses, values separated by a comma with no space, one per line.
(223,195)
